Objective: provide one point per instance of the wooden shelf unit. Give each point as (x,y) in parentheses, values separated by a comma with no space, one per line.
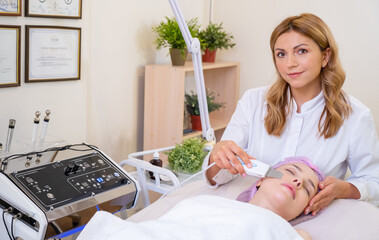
(164,100)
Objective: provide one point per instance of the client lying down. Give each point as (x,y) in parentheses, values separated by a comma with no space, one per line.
(273,202)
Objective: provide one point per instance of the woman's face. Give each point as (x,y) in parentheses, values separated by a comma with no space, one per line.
(299,61)
(289,195)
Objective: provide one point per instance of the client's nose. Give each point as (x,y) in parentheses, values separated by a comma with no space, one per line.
(298,182)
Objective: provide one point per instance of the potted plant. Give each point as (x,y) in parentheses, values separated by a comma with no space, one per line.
(188,156)
(192,106)
(169,35)
(212,38)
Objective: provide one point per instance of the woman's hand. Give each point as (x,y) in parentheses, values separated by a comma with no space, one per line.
(224,154)
(331,188)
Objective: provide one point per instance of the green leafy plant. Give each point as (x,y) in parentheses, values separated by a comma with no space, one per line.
(215,37)
(188,156)
(169,34)
(192,103)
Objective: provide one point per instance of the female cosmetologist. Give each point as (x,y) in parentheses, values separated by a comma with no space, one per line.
(304,113)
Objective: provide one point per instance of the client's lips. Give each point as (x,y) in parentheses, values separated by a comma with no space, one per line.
(291,188)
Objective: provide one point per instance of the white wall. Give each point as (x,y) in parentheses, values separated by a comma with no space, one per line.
(105,107)
(355,25)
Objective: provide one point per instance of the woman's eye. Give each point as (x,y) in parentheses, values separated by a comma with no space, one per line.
(280,54)
(302,51)
(288,170)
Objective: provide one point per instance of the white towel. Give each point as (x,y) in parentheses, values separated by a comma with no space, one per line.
(201,217)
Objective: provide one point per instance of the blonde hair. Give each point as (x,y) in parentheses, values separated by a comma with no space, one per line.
(337,108)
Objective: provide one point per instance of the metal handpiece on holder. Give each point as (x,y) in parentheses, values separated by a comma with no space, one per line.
(44,128)
(12,123)
(35,128)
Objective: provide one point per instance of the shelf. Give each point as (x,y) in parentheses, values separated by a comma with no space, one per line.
(188,66)
(200,133)
(164,100)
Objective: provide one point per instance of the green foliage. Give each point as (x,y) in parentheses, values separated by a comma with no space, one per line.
(215,37)
(192,104)
(188,156)
(169,34)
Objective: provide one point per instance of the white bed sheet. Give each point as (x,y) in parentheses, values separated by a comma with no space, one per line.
(343,219)
(201,217)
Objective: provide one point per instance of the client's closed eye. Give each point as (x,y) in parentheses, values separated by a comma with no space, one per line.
(290,171)
(308,193)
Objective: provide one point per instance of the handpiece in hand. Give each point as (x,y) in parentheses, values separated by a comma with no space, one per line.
(260,169)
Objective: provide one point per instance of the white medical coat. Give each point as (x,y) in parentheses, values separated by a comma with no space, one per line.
(356,144)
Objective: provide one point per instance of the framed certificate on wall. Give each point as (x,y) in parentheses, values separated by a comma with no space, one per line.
(10,7)
(53,8)
(10,56)
(52,53)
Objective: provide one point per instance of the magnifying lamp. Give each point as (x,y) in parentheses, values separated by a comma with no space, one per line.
(193,46)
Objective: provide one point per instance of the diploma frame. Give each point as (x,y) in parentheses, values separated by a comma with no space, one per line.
(40,11)
(55,64)
(14,67)
(6,5)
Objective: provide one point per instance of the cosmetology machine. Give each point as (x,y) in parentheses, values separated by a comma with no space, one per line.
(53,192)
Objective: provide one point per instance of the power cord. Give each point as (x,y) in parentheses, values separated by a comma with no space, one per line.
(182,183)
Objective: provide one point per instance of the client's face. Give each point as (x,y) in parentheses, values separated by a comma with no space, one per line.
(289,195)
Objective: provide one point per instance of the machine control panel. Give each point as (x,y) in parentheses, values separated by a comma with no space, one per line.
(60,183)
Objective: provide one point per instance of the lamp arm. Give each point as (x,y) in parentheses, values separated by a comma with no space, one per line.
(193,46)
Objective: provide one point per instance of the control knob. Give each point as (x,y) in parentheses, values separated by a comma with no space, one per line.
(68,169)
(71,168)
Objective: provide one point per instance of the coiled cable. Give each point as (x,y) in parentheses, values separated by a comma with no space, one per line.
(10,209)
